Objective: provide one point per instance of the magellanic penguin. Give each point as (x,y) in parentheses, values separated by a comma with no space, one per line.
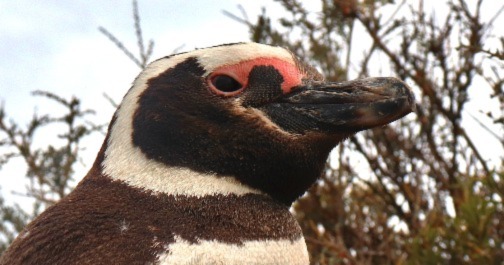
(203,159)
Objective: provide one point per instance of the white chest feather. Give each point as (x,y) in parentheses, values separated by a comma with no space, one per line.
(269,252)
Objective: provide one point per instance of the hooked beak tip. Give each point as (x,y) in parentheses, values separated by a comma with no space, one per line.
(343,107)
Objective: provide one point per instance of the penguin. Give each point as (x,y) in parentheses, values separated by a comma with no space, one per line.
(203,158)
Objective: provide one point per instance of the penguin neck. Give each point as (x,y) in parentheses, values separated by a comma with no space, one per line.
(130,166)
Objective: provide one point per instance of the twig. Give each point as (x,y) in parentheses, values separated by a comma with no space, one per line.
(497,14)
(119,45)
(394,13)
(138,33)
(236,18)
(486,128)
(110,100)
(475,150)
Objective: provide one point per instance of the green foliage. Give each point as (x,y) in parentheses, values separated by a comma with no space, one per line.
(473,236)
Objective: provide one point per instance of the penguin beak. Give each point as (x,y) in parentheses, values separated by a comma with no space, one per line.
(343,107)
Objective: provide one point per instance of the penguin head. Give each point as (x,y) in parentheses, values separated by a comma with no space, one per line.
(249,113)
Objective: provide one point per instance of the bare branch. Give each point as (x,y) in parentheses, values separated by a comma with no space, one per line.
(120,45)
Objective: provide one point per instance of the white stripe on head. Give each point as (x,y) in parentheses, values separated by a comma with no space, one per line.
(215,57)
(250,252)
(127,163)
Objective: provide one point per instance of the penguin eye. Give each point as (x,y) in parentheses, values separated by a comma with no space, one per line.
(225,85)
